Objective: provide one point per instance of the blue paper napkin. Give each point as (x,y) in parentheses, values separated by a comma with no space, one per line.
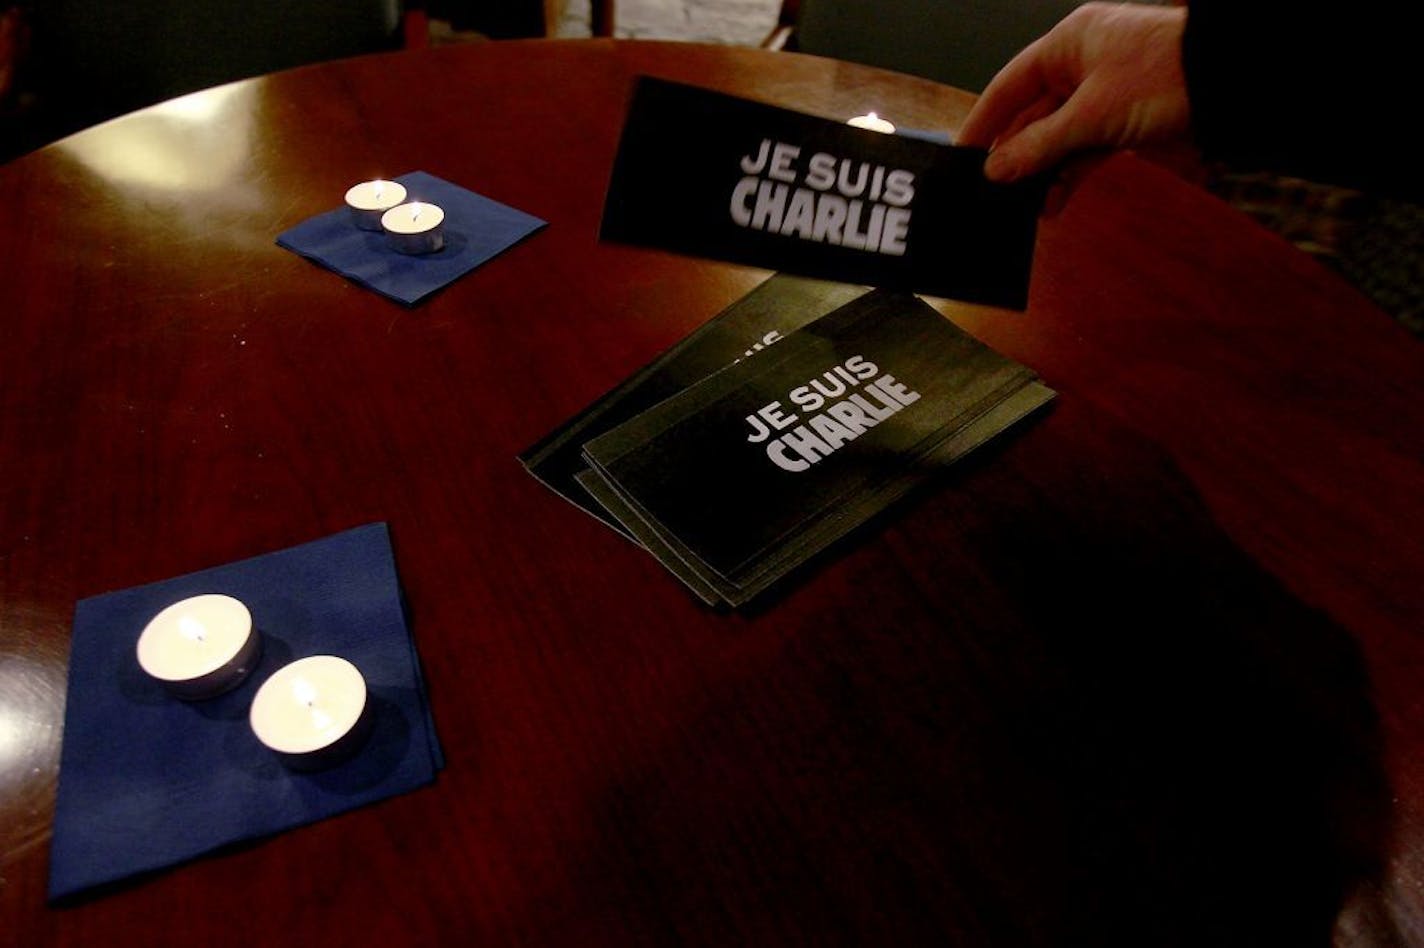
(938,136)
(476,229)
(147,780)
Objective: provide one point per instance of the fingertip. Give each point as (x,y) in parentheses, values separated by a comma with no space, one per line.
(973,133)
(1035,148)
(1001,167)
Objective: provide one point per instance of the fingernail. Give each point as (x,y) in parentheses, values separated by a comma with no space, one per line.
(999,167)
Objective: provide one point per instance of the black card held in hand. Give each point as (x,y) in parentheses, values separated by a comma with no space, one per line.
(746,474)
(703,173)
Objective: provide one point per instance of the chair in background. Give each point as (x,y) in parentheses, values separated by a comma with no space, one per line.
(517,19)
(961,43)
(600,16)
(101,58)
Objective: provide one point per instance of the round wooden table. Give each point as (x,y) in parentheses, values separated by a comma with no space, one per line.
(1146,673)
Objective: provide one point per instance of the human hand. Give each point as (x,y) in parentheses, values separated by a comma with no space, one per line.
(1108,75)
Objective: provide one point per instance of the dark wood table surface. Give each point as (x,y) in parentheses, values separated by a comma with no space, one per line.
(1147,673)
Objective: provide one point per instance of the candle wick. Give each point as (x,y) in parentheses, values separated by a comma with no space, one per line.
(192,630)
(303,691)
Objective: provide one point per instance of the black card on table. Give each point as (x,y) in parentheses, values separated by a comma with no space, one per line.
(777,307)
(712,175)
(740,478)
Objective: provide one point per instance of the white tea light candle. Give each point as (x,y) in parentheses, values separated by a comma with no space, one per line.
(415,228)
(873,122)
(200,647)
(368,200)
(311,712)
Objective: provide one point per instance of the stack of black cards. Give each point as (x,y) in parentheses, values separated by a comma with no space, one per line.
(788,420)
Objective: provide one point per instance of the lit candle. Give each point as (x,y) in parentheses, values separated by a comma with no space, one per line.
(200,647)
(873,122)
(312,712)
(416,227)
(368,200)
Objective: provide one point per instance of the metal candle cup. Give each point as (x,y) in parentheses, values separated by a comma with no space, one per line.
(367,201)
(415,228)
(200,647)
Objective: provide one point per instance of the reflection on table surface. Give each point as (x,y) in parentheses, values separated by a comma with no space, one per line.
(1142,675)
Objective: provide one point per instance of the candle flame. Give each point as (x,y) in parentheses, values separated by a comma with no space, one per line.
(415,214)
(381,186)
(304,691)
(872,121)
(191,629)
